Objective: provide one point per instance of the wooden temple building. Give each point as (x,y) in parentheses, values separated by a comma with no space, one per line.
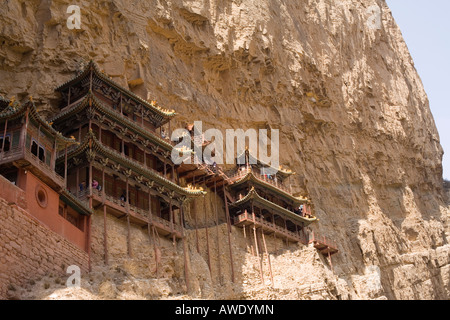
(29,150)
(107,150)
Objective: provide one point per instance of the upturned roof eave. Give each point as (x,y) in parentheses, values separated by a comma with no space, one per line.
(96,145)
(250,176)
(21,110)
(254,196)
(97,103)
(93,66)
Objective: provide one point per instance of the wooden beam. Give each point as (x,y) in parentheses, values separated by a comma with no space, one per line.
(196,224)
(4,139)
(127,206)
(105,236)
(229,234)
(217,233)
(207,236)
(185,249)
(256,245)
(268,257)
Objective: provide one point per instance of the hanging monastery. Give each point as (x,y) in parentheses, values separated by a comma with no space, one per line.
(107,153)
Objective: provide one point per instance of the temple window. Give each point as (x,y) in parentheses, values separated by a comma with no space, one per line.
(41,154)
(34,148)
(7,142)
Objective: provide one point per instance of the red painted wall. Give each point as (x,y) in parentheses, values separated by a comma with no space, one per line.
(49,213)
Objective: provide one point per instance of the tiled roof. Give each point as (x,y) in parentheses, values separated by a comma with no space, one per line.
(111,154)
(96,103)
(254,196)
(93,66)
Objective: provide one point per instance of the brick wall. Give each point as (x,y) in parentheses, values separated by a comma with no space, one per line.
(28,249)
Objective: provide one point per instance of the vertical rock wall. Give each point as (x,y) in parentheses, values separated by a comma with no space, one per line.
(353,115)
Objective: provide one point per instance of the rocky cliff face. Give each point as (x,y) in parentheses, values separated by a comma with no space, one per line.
(354,119)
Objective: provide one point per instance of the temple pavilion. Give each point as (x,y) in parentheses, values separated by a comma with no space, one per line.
(264,201)
(29,149)
(122,162)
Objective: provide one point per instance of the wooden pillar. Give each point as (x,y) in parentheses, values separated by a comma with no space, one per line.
(69,96)
(121,104)
(65,167)
(105,235)
(206,229)
(268,257)
(229,233)
(329,258)
(103,185)
(171,216)
(127,206)
(23,134)
(151,231)
(172,222)
(89,236)
(4,138)
(105,231)
(217,231)
(196,224)
(185,249)
(256,245)
(165,169)
(54,154)
(170,129)
(78,182)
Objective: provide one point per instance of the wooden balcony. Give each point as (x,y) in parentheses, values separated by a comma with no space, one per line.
(25,159)
(268,227)
(323,245)
(138,216)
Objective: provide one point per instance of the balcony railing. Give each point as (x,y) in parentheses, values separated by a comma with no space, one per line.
(44,167)
(19,153)
(84,196)
(314,237)
(11,155)
(270,226)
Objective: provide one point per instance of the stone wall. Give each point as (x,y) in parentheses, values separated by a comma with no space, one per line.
(29,250)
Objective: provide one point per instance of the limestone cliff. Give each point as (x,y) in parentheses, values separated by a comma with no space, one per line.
(354,119)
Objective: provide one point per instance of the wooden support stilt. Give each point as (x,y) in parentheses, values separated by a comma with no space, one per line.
(256,246)
(89,231)
(151,232)
(206,229)
(331,263)
(217,232)
(156,244)
(65,167)
(196,225)
(127,205)
(185,249)
(229,233)
(105,233)
(268,257)
(172,224)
